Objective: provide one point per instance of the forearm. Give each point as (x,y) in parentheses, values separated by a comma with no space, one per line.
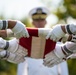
(4,24)
(3,33)
(11,23)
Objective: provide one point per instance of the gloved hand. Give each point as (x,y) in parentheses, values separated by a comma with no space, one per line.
(17,52)
(59,53)
(20,30)
(14,47)
(53,58)
(56,33)
(11,57)
(16,58)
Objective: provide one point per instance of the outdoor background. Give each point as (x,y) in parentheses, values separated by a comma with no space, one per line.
(61,11)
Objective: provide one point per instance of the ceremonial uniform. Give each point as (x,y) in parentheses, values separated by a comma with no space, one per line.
(38,47)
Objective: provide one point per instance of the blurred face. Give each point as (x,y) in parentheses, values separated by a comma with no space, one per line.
(39,23)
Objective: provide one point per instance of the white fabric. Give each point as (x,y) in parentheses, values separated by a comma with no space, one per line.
(14,47)
(43,31)
(56,33)
(2,53)
(11,57)
(34,10)
(13,44)
(35,67)
(20,30)
(18,50)
(15,58)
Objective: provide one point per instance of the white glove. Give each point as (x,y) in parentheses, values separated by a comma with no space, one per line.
(59,53)
(14,47)
(55,57)
(16,58)
(20,30)
(51,60)
(17,52)
(56,33)
(11,57)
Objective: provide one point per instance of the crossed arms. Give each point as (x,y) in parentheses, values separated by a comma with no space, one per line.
(58,52)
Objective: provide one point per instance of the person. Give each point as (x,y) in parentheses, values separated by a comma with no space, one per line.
(58,32)
(38,16)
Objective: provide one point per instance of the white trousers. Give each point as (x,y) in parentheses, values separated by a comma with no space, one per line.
(35,67)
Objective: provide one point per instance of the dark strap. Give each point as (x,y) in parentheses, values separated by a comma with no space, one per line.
(4,25)
(68,29)
(66,50)
(6,56)
(7,45)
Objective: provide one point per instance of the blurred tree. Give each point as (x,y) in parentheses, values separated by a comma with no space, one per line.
(7,68)
(62,8)
(71,7)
